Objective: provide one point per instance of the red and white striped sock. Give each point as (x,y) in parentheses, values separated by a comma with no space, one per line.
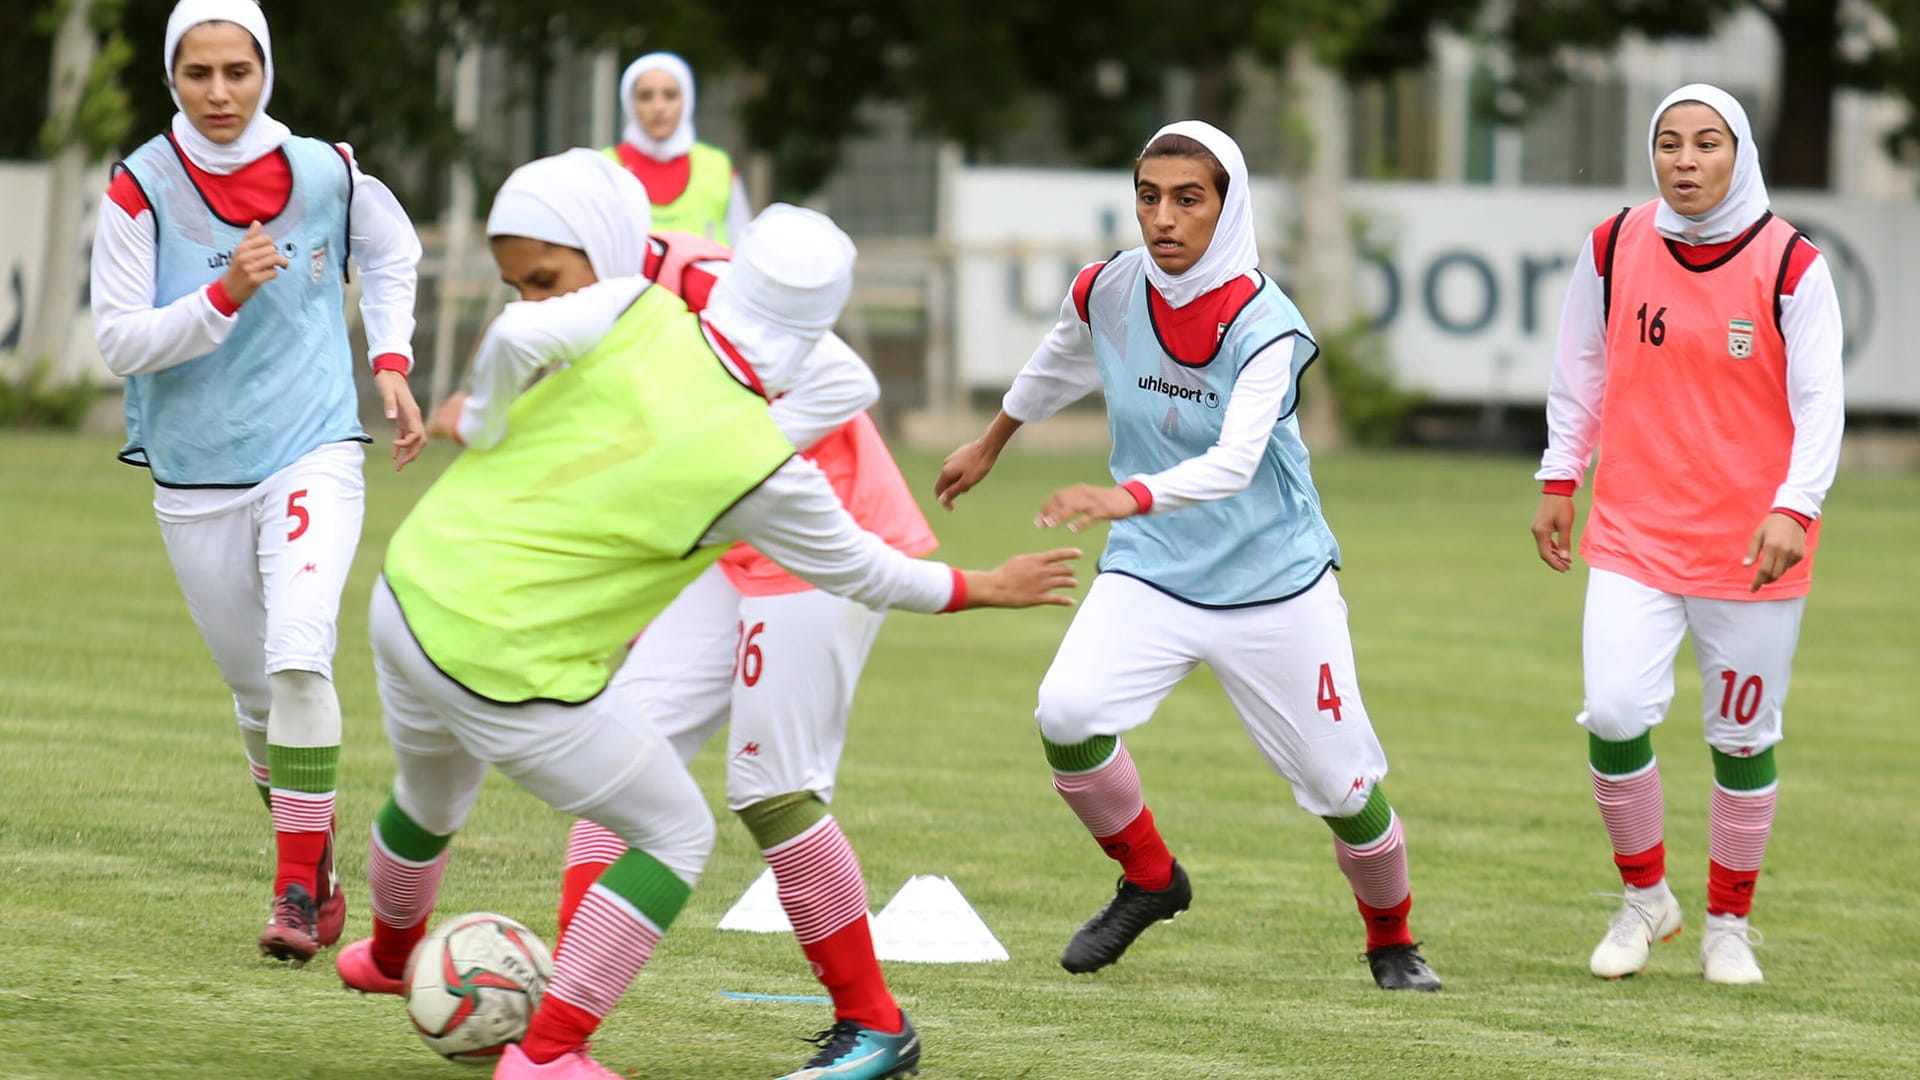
(603,949)
(1108,800)
(820,886)
(591,848)
(1377,871)
(402,894)
(1634,809)
(302,823)
(1738,824)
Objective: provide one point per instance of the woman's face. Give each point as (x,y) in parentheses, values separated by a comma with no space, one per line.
(217,73)
(1178,208)
(1693,155)
(539,270)
(657,103)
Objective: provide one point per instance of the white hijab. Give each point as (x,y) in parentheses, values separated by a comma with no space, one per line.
(579,199)
(791,274)
(1233,250)
(263,134)
(681,140)
(1746,197)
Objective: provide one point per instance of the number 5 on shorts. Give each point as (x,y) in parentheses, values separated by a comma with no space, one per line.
(297,513)
(1327,698)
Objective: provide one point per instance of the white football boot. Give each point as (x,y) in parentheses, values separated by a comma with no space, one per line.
(1726,951)
(1645,914)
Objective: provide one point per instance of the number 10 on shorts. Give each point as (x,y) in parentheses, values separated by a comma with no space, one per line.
(1743,704)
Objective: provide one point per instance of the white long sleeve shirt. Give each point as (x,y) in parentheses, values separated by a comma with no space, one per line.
(137,338)
(1810,323)
(833,387)
(1064,369)
(796,519)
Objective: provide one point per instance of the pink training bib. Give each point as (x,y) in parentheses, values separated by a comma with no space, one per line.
(863,473)
(1695,432)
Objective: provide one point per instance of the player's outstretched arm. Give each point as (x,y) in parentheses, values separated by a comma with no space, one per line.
(971,463)
(1060,372)
(1079,506)
(1023,581)
(795,519)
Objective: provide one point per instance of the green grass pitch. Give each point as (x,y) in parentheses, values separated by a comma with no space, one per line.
(134,855)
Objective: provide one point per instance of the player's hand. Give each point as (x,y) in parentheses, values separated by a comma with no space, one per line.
(1777,545)
(1024,581)
(963,469)
(1081,505)
(255,261)
(446,419)
(1553,531)
(409,434)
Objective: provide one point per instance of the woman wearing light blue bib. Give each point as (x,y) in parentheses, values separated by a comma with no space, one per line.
(218,269)
(1218,553)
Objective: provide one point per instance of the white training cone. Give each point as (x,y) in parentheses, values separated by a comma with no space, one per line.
(929,922)
(758,910)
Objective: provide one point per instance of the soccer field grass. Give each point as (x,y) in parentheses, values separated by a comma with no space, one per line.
(134,854)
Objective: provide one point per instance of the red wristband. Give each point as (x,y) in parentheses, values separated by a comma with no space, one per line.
(391,362)
(1805,521)
(222,303)
(1142,494)
(1559,487)
(959,598)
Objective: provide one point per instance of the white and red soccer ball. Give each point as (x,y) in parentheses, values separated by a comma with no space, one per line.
(473,984)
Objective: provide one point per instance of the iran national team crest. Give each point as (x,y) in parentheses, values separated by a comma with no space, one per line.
(1739,338)
(319,267)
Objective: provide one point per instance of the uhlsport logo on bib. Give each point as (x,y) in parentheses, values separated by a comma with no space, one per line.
(1739,338)
(319,268)
(1180,393)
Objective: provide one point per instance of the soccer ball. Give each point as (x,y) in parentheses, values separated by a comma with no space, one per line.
(473,984)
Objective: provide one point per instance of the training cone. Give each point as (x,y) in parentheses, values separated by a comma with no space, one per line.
(929,922)
(758,910)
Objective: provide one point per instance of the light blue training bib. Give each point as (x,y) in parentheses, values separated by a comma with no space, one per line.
(282,382)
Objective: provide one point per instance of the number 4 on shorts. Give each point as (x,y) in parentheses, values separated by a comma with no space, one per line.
(1327,698)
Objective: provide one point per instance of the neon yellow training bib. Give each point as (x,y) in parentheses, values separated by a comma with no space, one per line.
(701,209)
(526,569)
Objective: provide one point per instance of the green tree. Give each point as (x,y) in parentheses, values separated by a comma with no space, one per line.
(366,71)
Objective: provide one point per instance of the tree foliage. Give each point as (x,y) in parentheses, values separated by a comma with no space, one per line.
(366,71)
(105,111)
(968,70)
(1814,60)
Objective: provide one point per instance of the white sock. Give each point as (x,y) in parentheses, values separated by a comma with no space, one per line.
(305,710)
(255,741)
